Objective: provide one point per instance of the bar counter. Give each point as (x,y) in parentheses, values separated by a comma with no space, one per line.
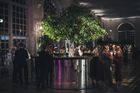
(68,72)
(71,72)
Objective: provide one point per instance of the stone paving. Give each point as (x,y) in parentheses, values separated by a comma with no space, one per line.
(130,81)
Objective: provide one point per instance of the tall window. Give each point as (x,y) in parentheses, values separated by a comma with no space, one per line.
(23,2)
(4,33)
(19,23)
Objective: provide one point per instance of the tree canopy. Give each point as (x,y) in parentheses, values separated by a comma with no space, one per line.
(74,23)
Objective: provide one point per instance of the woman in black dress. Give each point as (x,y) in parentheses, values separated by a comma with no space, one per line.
(118,60)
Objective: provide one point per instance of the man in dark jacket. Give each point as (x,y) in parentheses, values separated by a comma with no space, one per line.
(45,66)
(20,64)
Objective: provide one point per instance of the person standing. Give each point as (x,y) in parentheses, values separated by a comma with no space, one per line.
(20,64)
(95,72)
(118,60)
(14,77)
(51,65)
(45,60)
(107,57)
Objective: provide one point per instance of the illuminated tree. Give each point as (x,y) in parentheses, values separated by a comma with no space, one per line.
(74,23)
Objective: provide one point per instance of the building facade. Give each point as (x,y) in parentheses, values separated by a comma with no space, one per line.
(19,22)
(123,30)
(120,29)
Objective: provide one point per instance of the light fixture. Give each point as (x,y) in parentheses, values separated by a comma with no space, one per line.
(39,5)
(97,10)
(85,4)
(110,30)
(1,20)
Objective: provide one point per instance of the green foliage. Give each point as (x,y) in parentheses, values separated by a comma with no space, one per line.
(75,24)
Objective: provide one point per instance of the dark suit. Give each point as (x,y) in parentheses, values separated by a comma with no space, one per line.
(45,69)
(20,64)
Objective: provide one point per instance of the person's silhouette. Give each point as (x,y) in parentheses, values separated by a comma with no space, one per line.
(20,64)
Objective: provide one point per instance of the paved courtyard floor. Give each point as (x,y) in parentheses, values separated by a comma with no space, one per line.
(131,84)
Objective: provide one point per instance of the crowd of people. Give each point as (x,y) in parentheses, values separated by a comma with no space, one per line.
(44,66)
(106,64)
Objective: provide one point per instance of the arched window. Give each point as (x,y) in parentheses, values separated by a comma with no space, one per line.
(126,33)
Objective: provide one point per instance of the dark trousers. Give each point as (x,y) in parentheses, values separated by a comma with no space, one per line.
(42,79)
(20,73)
